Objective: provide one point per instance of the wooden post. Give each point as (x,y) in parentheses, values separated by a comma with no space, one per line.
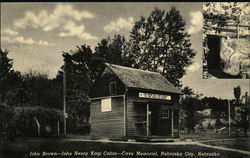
(124,117)
(178,121)
(125,113)
(147,119)
(229,118)
(238,28)
(38,127)
(58,128)
(64,99)
(238,31)
(172,122)
(0,98)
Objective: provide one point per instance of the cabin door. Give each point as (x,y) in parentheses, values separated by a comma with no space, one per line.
(160,120)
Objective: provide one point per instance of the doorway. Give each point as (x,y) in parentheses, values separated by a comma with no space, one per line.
(160,121)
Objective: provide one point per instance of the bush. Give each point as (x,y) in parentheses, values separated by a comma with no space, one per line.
(18,121)
(209,126)
(7,123)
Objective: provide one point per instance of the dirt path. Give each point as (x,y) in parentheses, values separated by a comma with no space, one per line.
(212,140)
(223,148)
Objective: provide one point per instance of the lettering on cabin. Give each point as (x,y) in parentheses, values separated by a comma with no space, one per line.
(154,96)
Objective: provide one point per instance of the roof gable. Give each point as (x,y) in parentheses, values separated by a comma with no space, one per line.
(142,79)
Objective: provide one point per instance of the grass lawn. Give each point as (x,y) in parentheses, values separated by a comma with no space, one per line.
(22,147)
(241,144)
(199,136)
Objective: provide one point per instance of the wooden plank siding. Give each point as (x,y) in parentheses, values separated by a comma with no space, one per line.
(132,119)
(132,113)
(107,124)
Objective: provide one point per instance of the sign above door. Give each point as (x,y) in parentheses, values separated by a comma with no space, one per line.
(154,96)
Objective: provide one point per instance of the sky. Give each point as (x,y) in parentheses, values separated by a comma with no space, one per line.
(36,34)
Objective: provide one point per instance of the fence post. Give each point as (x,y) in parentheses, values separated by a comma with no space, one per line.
(38,127)
(58,128)
(238,23)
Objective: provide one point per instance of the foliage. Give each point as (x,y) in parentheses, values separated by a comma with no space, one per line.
(7,121)
(20,120)
(39,112)
(40,90)
(219,106)
(77,68)
(237,94)
(30,89)
(10,80)
(79,78)
(25,123)
(22,98)
(190,101)
(160,43)
(241,117)
(209,126)
(114,51)
(218,123)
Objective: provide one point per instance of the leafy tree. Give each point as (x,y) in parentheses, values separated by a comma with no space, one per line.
(241,117)
(219,109)
(5,70)
(7,123)
(82,67)
(218,106)
(10,80)
(19,120)
(209,126)
(241,110)
(77,67)
(218,123)
(237,94)
(113,51)
(26,125)
(160,43)
(40,90)
(190,101)
(187,91)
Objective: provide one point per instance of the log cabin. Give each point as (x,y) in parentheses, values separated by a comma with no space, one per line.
(130,103)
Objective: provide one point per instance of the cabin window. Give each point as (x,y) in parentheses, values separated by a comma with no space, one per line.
(112,88)
(164,112)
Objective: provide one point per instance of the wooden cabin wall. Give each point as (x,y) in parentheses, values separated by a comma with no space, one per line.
(133,102)
(176,122)
(101,87)
(134,128)
(107,124)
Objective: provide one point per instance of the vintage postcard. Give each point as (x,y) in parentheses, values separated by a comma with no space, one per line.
(124,79)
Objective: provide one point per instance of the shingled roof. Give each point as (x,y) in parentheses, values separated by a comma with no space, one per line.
(142,79)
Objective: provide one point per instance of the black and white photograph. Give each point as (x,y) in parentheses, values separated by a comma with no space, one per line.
(226,37)
(124,79)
